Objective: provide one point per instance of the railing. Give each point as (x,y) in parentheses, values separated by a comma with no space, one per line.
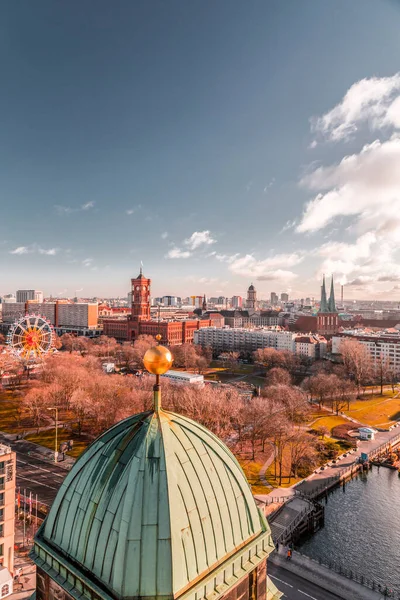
(357,577)
(328,482)
(290,529)
(383,446)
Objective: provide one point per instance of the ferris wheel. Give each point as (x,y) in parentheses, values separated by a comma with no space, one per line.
(31,337)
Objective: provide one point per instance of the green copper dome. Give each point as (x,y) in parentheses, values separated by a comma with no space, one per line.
(155,505)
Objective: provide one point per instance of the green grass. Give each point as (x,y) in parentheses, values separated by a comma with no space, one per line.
(47,439)
(8,406)
(329,422)
(376,411)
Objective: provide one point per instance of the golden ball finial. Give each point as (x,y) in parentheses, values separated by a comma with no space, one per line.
(158,337)
(158,360)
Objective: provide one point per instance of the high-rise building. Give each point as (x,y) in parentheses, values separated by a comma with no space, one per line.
(25,295)
(170,300)
(38,296)
(7,518)
(274,299)
(284,297)
(77,315)
(237,302)
(251,301)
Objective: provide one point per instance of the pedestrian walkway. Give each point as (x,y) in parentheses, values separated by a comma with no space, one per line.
(41,452)
(326,476)
(25,584)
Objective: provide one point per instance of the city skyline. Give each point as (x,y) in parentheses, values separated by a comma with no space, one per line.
(263,155)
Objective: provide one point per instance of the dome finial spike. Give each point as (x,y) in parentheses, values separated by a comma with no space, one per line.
(157,360)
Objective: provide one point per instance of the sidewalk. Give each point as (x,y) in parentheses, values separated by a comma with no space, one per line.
(324,577)
(36,450)
(27,581)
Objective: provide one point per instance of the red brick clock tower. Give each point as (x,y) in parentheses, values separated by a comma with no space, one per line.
(140,302)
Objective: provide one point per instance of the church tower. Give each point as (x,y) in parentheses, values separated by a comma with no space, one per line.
(251,297)
(327,318)
(140,297)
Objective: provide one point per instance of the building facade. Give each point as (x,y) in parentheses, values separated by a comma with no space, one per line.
(240,339)
(173,332)
(25,295)
(237,302)
(7,518)
(381,345)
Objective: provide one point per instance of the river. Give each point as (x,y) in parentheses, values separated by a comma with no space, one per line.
(362,527)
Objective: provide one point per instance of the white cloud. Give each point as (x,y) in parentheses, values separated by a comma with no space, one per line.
(20,250)
(88,205)
(87,262)
(67,210)
(132,211)
(368,259)
(288,225)
(49,252)
(364,185)
(374,101)
(164,235)
(274,267)
(269,185)
(199,238)
(229,258)
(177,253)
(33,249)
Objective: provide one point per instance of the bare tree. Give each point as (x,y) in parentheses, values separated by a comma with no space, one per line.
(279,376)
(231,358)
(36,403)
(356,360)
(382,370)
(302,451)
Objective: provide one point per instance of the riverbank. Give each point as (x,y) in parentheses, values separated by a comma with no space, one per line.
(361,528)
(330,475)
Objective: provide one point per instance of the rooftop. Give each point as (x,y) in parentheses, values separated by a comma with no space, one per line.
(155,507)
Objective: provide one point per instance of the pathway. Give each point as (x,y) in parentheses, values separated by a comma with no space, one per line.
(266,466)
(311,484)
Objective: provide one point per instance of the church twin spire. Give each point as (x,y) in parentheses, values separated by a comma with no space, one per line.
(327,306)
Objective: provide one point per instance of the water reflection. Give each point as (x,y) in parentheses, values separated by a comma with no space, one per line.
(362,527)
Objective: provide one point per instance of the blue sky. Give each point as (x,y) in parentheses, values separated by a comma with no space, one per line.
(201,138)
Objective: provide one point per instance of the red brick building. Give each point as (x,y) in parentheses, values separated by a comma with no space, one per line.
(139,322)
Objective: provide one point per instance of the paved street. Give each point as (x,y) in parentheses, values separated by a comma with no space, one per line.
(295,587)
(36,475)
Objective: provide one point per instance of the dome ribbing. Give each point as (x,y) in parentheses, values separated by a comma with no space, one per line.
(155,504)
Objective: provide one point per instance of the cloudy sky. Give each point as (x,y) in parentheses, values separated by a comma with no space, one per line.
(221,143)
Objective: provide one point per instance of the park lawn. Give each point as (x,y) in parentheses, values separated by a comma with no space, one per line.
(252,471)
(329,422)
(47,439)
(8,405)
(377,411)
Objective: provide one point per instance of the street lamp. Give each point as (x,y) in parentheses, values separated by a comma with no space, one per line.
(55,408)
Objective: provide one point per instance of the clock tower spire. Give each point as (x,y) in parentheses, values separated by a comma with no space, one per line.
(141,297)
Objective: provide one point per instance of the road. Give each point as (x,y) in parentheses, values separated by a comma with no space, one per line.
(295,587)
(34,474)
